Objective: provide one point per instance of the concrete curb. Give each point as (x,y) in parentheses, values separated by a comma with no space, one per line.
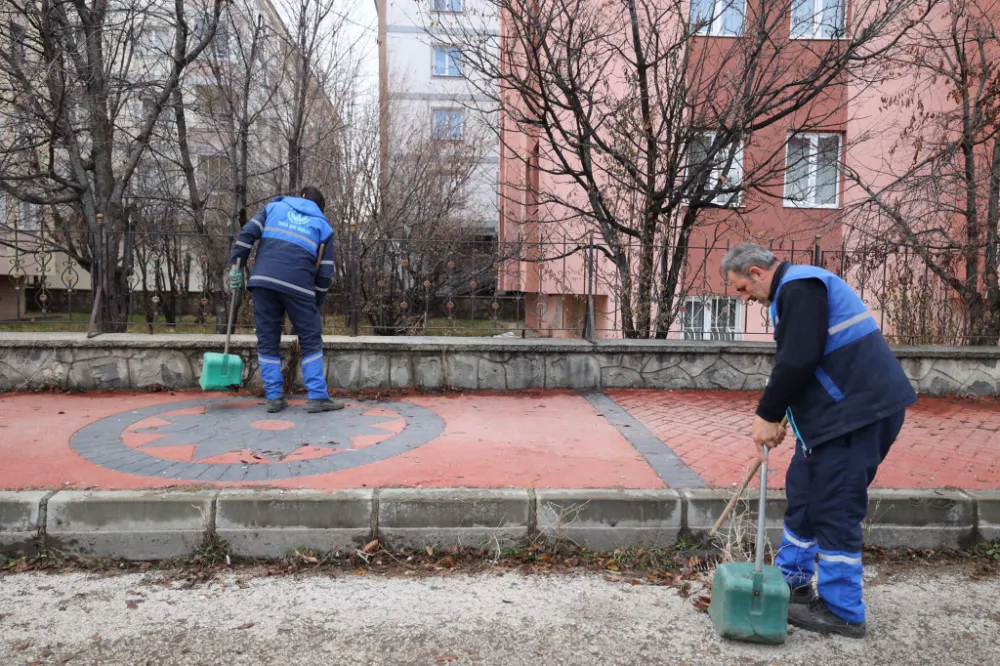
(155,524)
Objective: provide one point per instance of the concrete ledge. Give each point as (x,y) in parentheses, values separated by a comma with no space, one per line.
(988,513)
(462,517)
(71,361)
(131,525)
(703,506)
(19,522)
(605,520)
(920,519)
(271,523)
(155,525)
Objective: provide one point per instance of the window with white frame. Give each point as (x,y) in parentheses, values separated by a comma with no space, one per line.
(711,318)
(448,124)
(718,18)
(812,173)
(726,169)
(818,19)
(448,5)
(447,61)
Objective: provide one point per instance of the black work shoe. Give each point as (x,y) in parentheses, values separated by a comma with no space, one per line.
(803,594)
(276,405)
(817,617)
(323,405)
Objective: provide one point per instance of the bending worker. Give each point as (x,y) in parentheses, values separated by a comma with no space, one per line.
(845,396)
(289,277)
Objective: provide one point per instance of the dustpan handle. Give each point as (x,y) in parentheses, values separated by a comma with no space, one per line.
(761,517)
(232,310)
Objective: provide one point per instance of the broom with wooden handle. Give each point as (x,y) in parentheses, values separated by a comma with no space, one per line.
(743,486)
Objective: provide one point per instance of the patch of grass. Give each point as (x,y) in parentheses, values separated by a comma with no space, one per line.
(989,550)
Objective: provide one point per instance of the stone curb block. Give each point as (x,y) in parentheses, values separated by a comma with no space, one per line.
(128,524)
(272,523)
(19,515)
(605,520)
(988,513)
(703,506)
(156,525)
(920,519)
(473,518)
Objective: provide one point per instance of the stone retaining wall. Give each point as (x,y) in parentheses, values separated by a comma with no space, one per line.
(141,362)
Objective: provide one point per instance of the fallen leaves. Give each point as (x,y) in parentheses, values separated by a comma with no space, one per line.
(371,546)
(21,646)
(132,604)
(448,657)
(245,626)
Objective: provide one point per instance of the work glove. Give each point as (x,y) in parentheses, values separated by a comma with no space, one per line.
(320,298)
(235,277)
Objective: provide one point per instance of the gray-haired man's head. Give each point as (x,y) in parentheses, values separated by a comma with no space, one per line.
(749,269)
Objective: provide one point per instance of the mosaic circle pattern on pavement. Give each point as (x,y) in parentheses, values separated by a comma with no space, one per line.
(236,440)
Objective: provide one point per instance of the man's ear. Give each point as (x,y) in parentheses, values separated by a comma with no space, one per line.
(755,273)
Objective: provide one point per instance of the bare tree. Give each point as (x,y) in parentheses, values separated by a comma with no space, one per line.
(930,207)
(417,248)
(82,103)
(321,69)
(642,129)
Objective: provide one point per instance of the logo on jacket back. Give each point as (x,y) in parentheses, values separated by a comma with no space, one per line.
(297,221)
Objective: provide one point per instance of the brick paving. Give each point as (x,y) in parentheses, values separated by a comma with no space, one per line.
(532,439)
(945,442)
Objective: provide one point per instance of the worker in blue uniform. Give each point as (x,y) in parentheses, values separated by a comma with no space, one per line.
(290,277)
(845,395)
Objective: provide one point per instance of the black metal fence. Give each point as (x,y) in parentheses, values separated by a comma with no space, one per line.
(176,282)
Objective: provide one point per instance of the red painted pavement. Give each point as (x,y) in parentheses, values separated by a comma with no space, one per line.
(553,440)
(529,440)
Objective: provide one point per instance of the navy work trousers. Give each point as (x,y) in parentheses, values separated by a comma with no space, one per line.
(827,490)
(269,309)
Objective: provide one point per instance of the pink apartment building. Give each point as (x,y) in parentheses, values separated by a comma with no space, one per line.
(860,134)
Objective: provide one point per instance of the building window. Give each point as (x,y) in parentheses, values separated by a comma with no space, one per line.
(448,5)
(216,172)
(147,107)
(718,18)
(711,318)
(812,177)
(726,175)
(818,19)
(156,41)
(448,124)
(221,44)
(210,103)
(447,62)
(28,217)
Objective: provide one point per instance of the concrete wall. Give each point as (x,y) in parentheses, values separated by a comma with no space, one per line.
(71,361)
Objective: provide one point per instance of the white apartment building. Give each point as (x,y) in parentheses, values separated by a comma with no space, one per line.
(423,77)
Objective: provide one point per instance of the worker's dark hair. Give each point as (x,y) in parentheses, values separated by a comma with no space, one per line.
(314,195)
